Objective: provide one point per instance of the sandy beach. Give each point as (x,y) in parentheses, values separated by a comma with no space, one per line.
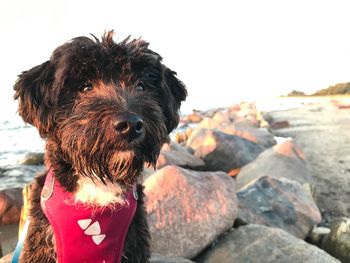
(321,127)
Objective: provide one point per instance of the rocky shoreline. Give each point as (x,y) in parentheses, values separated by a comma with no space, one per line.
(228,190)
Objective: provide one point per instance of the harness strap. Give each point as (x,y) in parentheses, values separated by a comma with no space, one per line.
(19,246)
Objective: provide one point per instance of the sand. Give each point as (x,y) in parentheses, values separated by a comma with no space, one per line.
(322,129)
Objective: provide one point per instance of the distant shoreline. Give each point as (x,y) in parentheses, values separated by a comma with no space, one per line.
(316,96)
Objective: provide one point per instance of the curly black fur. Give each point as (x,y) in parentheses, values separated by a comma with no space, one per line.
(73,100)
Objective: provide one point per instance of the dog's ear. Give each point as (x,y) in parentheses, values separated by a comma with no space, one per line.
(175,93)
(36,98)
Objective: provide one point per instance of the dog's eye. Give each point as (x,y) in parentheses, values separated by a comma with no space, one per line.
(87,87)
(139,87)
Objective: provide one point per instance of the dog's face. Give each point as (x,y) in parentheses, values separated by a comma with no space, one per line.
(105,107)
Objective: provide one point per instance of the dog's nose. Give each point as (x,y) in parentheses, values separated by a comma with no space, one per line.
(128,125)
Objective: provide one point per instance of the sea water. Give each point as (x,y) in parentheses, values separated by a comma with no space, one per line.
(17,139)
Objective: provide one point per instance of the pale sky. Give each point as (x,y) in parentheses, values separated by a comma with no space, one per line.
(224,51)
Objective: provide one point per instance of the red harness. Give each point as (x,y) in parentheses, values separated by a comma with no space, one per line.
(86,234)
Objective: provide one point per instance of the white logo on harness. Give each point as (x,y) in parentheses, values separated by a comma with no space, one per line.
(93,230)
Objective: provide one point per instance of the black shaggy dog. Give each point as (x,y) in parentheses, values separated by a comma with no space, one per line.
(104,109)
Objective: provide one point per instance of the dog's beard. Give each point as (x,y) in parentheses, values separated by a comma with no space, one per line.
(120,167)
(126,165)
(97,153)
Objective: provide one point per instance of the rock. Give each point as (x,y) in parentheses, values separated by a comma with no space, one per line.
(279,125)
(234,108)
(282,160)
(267,117)
(175,154)
(147,172)
(11,202)
(258,135)
(338,241)
(245,105)
(247,121)
(342,107)
(194,117)
(211,112)
(157,258)
(262,122)
(255,243)
(242,114)
(18,175)
(32,158)
(182,136)
(223,117)
(208,123)
(188,210)
(317,236)
(222,152)
(7,258)
(234,172)
(279,203)
(247,115)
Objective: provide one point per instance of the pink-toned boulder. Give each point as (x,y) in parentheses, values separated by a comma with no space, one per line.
(247,122)
(187,210)
(182,136)
(209,123)
(283,160)
(224,117)
(11,201)
(260,136)
(175,154)
(257,135)
(247,115)
(194,117)
(221,151)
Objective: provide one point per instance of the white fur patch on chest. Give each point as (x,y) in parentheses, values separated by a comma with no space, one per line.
(96,193)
